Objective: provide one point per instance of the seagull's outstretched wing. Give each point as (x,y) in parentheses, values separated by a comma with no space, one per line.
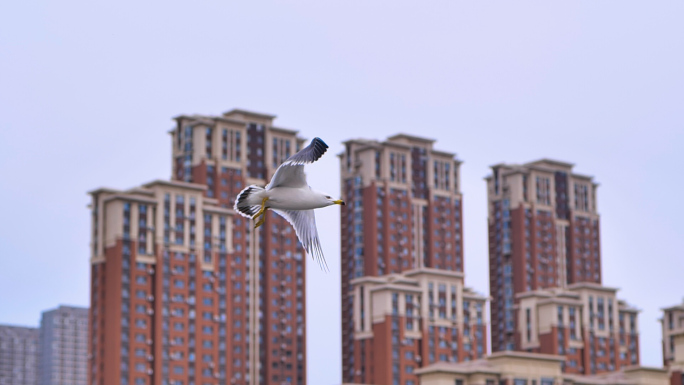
(291,172)
(304,223)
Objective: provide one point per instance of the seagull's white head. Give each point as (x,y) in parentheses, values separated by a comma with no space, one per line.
(329,201)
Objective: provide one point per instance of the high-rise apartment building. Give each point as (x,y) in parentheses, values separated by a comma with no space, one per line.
(672,325)
(227,153)
(402,250)
(402,322)
(544,233)
(19,354)
(53,354)
(64,346)
(673,342)
(584,322)
(183,290)
(159,307)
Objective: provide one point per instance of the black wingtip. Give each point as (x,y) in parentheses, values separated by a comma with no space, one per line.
(318,140)
(320,147)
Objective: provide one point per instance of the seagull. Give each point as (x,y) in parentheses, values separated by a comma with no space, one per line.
(289,195)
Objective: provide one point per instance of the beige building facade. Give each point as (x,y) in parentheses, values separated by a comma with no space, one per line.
(414,318)
(585,323)
(521,368)
(672,325)
(673,342)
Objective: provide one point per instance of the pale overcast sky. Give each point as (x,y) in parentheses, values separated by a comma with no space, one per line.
(88,90)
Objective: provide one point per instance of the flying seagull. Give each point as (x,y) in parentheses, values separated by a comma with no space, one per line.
(289,195)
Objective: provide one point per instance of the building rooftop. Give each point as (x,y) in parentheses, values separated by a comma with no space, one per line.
(626,376)
(467,367)
(509,363)
(675,307)
(553,162)
(17,328)
(69,308)
(489,364)
(399,140)
(236,111)
(412,138)
(593,286)
(175,183)
(544,164)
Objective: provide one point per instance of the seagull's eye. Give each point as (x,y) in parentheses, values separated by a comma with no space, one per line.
(328,197)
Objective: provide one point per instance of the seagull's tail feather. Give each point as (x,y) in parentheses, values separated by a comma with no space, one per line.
(248,201)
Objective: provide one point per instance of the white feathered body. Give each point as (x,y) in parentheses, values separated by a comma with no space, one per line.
(286,198)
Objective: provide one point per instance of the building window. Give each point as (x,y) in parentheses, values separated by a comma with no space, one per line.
(393,168)
(543,186)
(528,320)
(581,197)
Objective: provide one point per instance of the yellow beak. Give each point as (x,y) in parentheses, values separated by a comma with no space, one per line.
(339,202)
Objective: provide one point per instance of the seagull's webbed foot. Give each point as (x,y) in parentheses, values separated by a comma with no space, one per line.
(261,221)
(261,213)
